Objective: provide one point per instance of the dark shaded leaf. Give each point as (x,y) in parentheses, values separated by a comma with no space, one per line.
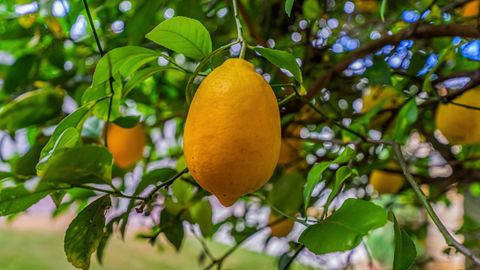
(32,108)
(84,234)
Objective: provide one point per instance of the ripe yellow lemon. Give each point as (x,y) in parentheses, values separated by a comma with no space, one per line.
(280,228)
(126,144)
(386,182)
(232,132)
(458,124)
(471,8)
(389,97)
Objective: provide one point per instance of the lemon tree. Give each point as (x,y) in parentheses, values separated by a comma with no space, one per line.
(319,124)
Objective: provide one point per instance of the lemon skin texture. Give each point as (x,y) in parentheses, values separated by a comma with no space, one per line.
(386,182)
(281,228)
(232,133)
(126,144)
(458,124)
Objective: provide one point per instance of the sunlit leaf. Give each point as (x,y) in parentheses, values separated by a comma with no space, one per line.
(345,228)
(183,35)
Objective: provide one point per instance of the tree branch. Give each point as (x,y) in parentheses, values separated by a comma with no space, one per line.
(449,239)
(425,31)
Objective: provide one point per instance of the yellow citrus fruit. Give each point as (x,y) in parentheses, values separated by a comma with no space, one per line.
(458,124)
(280,228)
(389,97)
(471,8)
(126,144)
(232,132)
(386,182)
(367,5)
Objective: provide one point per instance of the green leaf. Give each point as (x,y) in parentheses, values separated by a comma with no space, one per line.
(75,119)
(311,9)
(201,214)
(80,165)
(342,174)
(405,119)
(5,175)
(383,8)
(57,197)
(345,228)
(123,61)
(286,193)
(32,108)
(313,178)
(17,198)
(183,191)
(183,35)
(69,138)
(127,121)
(405,252)
(282,59)
(154,177)
(347,155)
(100,95)
(25,165)
(289,6)
(172,227)
(140,76)
(85,232)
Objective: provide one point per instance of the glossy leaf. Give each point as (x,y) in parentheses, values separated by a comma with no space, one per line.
(342,174)
(345,228)
(140,76)
(80,165)
(202,214)
(75,119)
(17,198)
(68,139)
(405,119)
(405,252)
(85,232)
(282,59)
(127,121)
(32,108)
(183,35)
(289,6)
(123,61)
(347,155)
(313,178)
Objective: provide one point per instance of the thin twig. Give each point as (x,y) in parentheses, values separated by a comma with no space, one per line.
(110,80)
(450,240)
(111,192)
(239,30)
(294,256)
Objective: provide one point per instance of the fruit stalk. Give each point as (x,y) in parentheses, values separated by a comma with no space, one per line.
(239,30)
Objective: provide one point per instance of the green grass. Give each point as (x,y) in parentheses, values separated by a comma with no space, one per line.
(26,250)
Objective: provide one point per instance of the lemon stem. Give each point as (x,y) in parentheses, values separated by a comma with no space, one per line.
(239,30)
